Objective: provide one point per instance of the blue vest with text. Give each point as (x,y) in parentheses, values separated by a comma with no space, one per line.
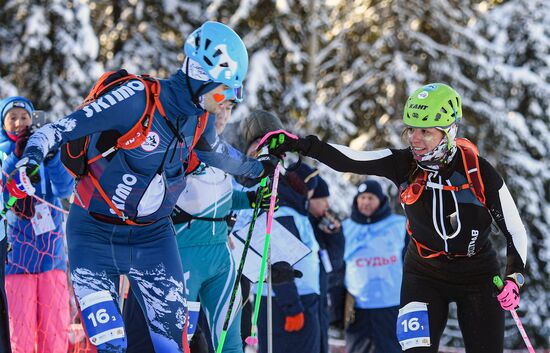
(374,264)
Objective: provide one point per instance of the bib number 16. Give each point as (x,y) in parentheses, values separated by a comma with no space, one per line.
(100,316)
(410,325)
(413,328)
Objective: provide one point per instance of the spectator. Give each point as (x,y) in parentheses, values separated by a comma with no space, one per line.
(375,239)
(328,234)
(36,281)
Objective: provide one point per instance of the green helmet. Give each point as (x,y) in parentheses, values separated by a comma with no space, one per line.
(434,105)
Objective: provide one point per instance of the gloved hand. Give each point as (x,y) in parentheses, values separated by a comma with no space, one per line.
(294,323)
(509,295)
(282,272)
(279,142)
(21,142)
(21,181)
(264,201)
(269,163)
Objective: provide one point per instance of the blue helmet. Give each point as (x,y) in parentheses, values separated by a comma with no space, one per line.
(220,51)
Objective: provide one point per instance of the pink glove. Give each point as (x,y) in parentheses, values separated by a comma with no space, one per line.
(509,295)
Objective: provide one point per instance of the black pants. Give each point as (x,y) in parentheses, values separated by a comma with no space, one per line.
(466,281)
(373,330)
(4,319)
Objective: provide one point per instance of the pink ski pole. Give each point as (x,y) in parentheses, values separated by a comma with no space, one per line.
(499,284)
(252,339)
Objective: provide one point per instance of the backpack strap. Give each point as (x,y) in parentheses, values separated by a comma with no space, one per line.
(193,161)
(412,192)
(470,159)
(118,212)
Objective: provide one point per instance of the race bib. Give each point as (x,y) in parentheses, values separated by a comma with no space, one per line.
(413,329)
(193,309)
(42,222)
(101,317)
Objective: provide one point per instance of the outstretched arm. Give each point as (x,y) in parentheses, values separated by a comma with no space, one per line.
(503,209)
(217,153)
(119,110)
(390,163)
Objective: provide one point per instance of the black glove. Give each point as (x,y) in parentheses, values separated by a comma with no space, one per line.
(279,142)
(264,201)
(282,272)
(21,142)
(269,163)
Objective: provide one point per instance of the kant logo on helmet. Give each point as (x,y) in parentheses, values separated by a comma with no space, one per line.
(113,97)
(418,106)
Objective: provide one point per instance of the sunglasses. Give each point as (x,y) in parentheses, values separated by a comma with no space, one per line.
(230,94)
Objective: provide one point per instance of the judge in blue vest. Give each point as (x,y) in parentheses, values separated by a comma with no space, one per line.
(375,239)
(296,326)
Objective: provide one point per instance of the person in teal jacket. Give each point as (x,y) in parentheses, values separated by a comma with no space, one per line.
(36,270)
(375,239)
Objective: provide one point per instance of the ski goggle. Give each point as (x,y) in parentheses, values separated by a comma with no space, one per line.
(234,94)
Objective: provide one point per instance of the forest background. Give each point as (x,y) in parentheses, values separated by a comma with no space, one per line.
(340,69)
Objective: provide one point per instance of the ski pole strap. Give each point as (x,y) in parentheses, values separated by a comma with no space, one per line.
(12,200)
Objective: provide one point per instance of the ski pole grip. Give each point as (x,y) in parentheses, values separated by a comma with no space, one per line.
(263,182)
(497,281)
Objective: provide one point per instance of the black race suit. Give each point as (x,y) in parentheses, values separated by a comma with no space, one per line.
(464,275)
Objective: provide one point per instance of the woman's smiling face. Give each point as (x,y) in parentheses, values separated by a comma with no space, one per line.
(424,140)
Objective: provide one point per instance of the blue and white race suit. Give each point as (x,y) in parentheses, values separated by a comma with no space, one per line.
(144,183)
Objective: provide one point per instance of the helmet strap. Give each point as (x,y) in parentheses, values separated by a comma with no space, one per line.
(194,96)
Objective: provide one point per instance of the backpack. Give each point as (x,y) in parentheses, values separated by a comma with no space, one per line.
(74,154)
(470,160)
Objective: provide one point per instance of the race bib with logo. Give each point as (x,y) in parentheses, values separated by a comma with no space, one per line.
(193,309)
(102,319)
(413,329)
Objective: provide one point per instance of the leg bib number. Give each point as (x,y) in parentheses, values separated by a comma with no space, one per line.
(413,328)
(193,309)
(101,317)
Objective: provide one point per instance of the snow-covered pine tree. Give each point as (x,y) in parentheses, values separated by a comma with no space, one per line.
(144,36)
(48,51)
(511,101)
